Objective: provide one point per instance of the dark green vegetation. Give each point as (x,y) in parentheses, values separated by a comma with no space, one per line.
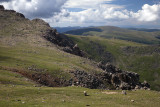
(119,33)
(130,56)
(17,91)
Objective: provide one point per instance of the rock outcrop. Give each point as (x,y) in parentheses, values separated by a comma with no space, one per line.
(1,7)
(20,15)
(83,79)
(63,41)
(121,79)
(110,78)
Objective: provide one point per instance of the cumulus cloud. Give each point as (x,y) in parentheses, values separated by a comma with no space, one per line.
(4,0)
(148,13)
(35,8)
(104,14)
(86,4)
(99,14)
(90,12)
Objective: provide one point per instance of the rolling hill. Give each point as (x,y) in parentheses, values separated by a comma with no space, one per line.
(131,56)
(119,33)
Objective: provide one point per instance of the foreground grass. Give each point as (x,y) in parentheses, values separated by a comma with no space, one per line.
(26,94)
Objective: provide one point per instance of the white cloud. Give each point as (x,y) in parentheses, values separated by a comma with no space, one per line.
(104,14)
(91,12)
(99,14)
(35,8)
(148,13)
(85,4)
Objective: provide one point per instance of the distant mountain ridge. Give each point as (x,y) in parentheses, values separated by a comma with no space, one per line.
(143,29)
(146,36)
(65,29)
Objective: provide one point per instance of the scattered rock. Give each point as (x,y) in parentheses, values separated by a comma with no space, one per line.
(124,92)
(145,85)
(23,102)
(132,100)
(85,93)
(63,101)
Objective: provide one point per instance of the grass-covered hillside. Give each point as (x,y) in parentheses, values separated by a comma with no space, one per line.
(25,46)
(131,56)
(17,91)
(119,33)
(38,67)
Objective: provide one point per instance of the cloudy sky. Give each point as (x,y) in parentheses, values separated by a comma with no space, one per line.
(61,13)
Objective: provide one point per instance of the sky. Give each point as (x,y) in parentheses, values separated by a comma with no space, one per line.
(63,13)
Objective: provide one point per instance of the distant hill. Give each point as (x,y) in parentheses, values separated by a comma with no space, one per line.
(65,29)
(143,29)
(119,33)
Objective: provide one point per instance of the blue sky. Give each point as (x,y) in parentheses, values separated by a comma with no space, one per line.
(62,13)
(134,5)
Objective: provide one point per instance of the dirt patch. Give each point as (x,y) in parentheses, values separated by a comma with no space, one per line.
(110,92)
(41,78)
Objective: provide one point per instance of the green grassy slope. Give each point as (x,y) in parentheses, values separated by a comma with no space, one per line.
(17,91)
(48,60)
(143,60)
(23,47)
(118,33)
